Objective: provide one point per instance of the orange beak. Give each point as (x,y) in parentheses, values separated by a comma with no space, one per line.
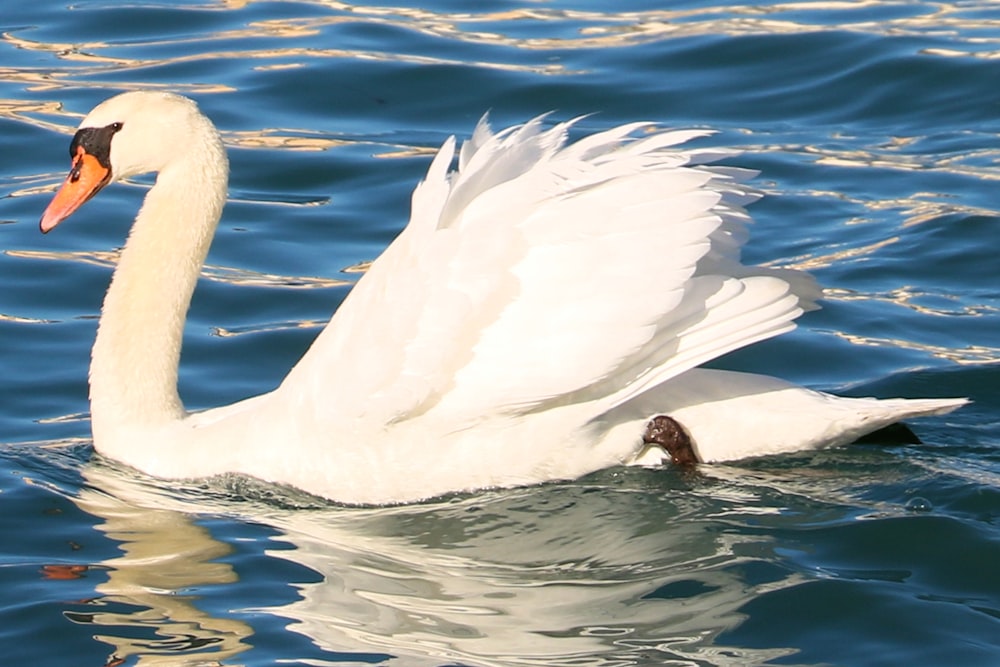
(86,178)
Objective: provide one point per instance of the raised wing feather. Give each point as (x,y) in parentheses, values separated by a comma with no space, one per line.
(540,273)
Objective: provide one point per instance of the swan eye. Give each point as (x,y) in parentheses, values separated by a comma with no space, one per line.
(116,127)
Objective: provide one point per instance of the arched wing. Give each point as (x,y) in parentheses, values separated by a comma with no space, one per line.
(541,272)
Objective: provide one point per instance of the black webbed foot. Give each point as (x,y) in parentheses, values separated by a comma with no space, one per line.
(893,434)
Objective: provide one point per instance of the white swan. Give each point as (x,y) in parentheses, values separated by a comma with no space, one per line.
(545,302)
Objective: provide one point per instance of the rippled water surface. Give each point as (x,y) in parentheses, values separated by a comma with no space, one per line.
(875,126)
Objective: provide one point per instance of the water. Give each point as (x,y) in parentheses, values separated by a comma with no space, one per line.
(875,127)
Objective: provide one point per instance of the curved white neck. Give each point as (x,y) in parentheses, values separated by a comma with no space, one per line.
(133,370)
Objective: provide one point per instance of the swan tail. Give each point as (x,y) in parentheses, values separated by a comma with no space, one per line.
(899,409)
(850,420)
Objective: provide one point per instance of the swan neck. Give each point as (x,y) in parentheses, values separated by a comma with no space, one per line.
(134,365)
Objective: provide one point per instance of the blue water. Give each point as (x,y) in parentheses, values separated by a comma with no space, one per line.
(876,126)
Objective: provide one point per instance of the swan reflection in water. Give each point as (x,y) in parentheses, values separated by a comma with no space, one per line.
(148,607)
(587,573)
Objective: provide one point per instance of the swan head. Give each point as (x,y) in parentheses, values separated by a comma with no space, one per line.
(132,133)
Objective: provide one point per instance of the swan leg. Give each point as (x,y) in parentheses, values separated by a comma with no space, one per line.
(666,432)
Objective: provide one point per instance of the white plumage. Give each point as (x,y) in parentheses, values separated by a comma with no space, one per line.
(544,302)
